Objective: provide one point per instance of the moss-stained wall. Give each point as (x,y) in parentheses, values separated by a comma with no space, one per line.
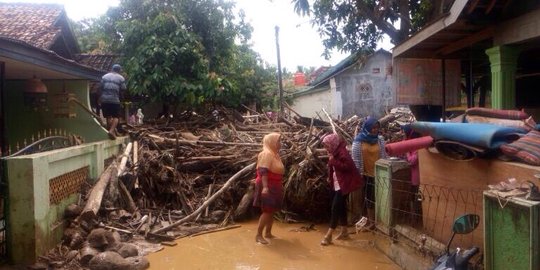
(35,225)
(24,122)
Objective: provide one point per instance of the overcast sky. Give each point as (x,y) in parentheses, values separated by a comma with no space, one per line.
(300,44)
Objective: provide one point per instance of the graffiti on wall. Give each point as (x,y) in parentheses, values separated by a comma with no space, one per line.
(365,94)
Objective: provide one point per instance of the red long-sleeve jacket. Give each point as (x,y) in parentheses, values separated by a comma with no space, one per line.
(347,175)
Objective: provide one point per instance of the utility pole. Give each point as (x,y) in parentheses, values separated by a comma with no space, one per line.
(280,83)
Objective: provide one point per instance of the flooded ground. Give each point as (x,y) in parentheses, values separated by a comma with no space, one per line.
(292,250)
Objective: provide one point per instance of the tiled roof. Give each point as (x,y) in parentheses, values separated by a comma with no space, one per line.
(34,24)
(102,62)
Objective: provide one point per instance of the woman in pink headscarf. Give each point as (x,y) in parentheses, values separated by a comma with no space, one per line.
(344,178)
(268,187)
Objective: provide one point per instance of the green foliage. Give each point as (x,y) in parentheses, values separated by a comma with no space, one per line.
(354,26)
(191,53)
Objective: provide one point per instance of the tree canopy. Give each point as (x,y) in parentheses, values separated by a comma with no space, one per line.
(188,52)
(358,25)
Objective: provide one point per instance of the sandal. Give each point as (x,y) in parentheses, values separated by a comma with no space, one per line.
(326,241)
(260,239)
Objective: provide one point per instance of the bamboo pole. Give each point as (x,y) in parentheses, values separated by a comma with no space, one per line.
(125,157)
(330,119)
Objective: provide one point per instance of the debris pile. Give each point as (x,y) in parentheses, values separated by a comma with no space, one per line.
(194,174)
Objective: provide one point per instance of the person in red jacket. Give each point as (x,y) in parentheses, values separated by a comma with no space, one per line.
(343,178)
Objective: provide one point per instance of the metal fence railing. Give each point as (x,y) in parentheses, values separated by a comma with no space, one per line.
(422,216)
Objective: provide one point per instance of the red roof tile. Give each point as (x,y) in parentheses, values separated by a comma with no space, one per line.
(102,62)
(34,24)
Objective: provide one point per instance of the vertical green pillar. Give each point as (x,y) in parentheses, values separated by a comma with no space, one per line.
(503,60)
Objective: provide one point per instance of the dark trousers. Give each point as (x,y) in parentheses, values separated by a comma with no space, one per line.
(339,210)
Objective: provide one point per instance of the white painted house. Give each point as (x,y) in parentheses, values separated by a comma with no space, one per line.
(358,85)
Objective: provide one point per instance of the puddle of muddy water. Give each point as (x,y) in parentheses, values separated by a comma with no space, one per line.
(236,249)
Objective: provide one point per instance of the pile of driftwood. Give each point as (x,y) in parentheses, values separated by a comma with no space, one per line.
(192,175)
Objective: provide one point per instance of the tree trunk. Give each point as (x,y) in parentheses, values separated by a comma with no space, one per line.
(382,24)
(405,21)
(246,202)
(96,195)
(437,9)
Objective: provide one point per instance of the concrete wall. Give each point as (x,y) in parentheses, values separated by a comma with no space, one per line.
(362,89)
(310,104)
(34,224)
(367,89)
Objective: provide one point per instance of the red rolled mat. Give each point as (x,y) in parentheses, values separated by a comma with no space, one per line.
(399,148)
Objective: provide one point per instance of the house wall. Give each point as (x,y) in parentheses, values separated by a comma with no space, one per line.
(310,104)
(419,81)
(35,223)
(23,122)
(367,89)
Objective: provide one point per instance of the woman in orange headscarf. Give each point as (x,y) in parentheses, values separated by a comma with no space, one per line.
(268,187)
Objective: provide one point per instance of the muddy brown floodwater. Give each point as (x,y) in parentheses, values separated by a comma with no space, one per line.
(292,250)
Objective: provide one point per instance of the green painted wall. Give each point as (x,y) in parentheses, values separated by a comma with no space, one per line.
(23,122)
(83,124)
(34,224)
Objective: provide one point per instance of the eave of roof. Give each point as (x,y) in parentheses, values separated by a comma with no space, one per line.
(308,91)
(447,20)
(24,52)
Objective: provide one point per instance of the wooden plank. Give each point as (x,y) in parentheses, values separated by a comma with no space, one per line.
(432,29)
(518,29)
(466,42)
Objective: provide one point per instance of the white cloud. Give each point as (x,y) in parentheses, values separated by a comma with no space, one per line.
(300,44)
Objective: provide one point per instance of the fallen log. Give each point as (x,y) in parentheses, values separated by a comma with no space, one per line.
(186,142)
(125,157)
(126,197)
(216,230)
(93,203)
(209,201)
(246,202)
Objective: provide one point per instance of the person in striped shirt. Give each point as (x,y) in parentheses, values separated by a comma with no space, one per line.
(367,148)
(112,86)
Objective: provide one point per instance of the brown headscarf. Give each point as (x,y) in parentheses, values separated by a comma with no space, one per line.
(269,157)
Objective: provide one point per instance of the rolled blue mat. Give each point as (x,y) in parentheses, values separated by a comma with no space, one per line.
(477,134)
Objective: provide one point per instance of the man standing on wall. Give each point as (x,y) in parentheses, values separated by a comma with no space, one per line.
(112,86)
